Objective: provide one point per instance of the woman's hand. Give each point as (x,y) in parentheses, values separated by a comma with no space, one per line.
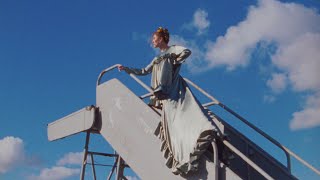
(120,67)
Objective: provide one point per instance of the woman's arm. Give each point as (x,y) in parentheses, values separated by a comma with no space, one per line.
(139,72)
(183,55)
(179,57)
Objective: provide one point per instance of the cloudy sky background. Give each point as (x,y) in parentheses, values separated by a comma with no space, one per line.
(261,58)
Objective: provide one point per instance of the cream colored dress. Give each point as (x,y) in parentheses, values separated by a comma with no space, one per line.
(186,130)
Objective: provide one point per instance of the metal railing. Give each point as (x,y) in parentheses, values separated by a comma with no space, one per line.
(287,151)
(216,102)
(116,166)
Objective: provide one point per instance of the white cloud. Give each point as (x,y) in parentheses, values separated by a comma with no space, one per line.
(295,31)
(195,61)
(11,153)
(270,21)
(72,158)
(132,178)
(278,82)
(199,22)
(178,40)
(301,60)
(55,173)
(309,117)
(269,98)
(59,171)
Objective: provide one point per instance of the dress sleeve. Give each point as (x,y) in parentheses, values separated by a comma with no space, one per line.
(139,72)
(182,56)
(178,54)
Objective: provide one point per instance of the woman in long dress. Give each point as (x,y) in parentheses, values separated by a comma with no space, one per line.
(186,130)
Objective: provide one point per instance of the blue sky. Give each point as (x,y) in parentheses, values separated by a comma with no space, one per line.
(261,58)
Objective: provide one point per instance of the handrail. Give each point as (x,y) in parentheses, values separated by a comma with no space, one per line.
(133,76)
(106,70)
(215,158)
(245,121)
(286,150)
(215,101)
(245,158)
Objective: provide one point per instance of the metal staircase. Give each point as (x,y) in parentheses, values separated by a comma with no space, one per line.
(131,126)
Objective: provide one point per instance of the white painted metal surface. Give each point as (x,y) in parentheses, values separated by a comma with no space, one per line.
(129,125)
(74,123)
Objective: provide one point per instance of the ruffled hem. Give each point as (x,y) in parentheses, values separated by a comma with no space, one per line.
(203,141)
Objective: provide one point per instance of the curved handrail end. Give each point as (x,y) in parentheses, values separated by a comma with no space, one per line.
(106,70)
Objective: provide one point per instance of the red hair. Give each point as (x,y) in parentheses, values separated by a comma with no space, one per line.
(163,33)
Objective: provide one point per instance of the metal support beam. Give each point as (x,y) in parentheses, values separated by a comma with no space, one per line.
(93,168)
(247,160)
(215,158)
(114,167)
(85,153)
(120,168)
(102,154)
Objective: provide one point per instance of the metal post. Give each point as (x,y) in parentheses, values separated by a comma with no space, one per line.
(215,159)
(85,153)
(260,132)
(93,168)
(114,165)
(248,166)
(113,168)
(120,167)
(247,160)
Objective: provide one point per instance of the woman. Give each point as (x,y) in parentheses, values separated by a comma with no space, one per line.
(161,66)
(185,130)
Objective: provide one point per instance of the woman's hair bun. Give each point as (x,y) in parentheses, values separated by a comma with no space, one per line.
(164,33)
